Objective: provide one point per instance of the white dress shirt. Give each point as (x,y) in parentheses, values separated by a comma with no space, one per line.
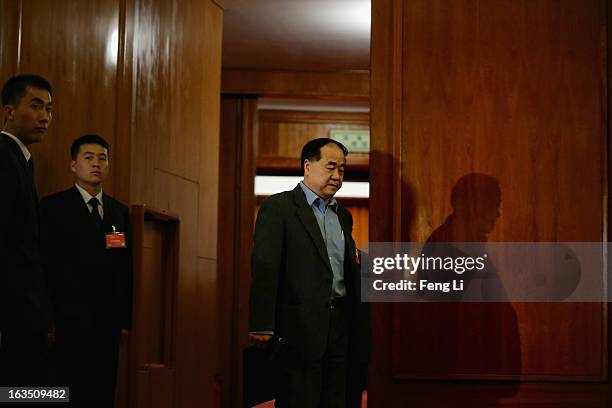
(87,197)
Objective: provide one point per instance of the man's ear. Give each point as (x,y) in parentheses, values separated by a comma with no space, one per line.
(306,166)
(73,166)
(8,112)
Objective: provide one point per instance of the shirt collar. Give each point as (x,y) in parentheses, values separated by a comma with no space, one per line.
(312,197)
(86,196)
(23,147)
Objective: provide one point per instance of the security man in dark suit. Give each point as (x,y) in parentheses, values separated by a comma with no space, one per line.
(87,251)
(25,310)
(304,302)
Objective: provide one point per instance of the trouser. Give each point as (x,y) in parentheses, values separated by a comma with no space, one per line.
(319,383)
(86,362)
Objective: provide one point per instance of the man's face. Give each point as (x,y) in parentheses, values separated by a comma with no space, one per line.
(324,176)
(91,164)
(30,119)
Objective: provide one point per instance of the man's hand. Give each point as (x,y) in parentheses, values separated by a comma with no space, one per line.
(259,340)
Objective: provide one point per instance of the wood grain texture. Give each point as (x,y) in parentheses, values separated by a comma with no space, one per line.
(228,262)
(301,83)
(209,138)
(531,125)
(156,269)
(238,130)
(181,196)
(496,93)
(10,19)
(208,343)
(282,134)
(174,157)
(361,225)
(513,90)
(124,104)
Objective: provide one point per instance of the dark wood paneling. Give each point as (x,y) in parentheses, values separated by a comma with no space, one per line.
(282,134)
(300,83)
(238,131)
(227,359)
(543,112)
(124,102)
(10,19)
(176,87)
(513,90)
(209,156)
(153,334)
(361,224)
(208,340)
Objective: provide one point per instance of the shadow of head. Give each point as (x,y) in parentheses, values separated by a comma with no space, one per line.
(475,200)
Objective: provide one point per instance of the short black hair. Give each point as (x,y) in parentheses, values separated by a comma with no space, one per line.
(16,87)
(312,150)
(87,139)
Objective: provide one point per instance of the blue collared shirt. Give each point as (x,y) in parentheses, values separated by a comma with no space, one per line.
(333,236)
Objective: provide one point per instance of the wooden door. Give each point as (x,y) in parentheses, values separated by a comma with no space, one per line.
(516,91)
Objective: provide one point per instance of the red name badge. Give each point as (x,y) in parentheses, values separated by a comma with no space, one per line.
(115,239)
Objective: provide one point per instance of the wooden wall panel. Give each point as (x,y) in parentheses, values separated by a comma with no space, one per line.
(494,87)
(238,129)
(208,339)
(181,197)
(299,83)
(361,224)
(229,263)
(152,300)
(175,138)
(282,134)
(514,90)
(209,146)
(10,11)
(151,349)
(543,112)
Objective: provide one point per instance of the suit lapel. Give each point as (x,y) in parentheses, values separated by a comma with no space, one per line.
(81,210)
(25,169)
(109,214)
(307,217)
(349,254)
(16,150)
(349,251)
(344,224)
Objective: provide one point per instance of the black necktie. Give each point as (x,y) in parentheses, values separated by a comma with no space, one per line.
(95,213)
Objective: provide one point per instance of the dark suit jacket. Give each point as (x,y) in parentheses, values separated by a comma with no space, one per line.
(292,277)
(90,284)
(24,302)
